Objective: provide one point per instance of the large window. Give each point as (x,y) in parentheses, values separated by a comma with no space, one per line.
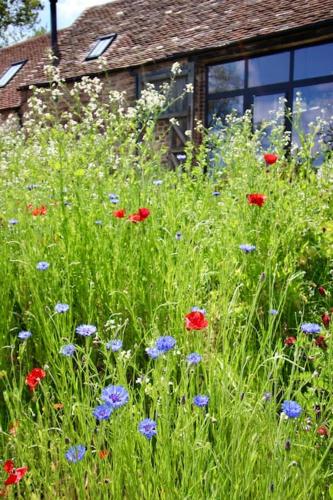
(260,83)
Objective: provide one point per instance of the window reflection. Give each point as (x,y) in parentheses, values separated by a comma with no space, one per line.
(317,100)
(266,70)
(229,76)
(223,107)
(311,62)
(266,108)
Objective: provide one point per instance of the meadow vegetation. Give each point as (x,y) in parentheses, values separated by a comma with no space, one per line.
(104,290)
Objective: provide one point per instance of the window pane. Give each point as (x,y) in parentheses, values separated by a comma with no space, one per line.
(223,107)
(100,47)
(229,76)
(10,73)
(268,107)
(315,61)
(317,100)
(266,70)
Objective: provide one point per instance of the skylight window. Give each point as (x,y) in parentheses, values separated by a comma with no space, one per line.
(100,47)
(10,73)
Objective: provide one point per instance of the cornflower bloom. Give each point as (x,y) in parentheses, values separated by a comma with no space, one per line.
(115,395)
(200,400)
(68,350)
(75,453)
(103,412)
(61,308)
(310,328)
(166,343)
(42,266)
(24,335)
(86,330)
(147,428)
(291,409)
(114,345)
(194,358)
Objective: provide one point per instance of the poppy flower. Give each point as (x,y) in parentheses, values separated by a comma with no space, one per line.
(58,406)
(270,158)
(320,342)
(119,214)
(256,199)
(322,431)
(195,320)
(8,466)
(103,454)
(140,215)
(42,210)
(34,377)
(16,475)
(289,341)
(322,291)
(326,320)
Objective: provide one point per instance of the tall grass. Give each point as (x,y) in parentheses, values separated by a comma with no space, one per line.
(137,282)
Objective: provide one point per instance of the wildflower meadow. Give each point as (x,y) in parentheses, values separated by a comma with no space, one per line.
(165,334)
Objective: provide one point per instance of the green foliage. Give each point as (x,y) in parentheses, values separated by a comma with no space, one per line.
(18,15)
(137,282)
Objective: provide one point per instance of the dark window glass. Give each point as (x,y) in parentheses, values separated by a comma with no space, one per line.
(311,62)
(229,76)
(266,70)
(221,107)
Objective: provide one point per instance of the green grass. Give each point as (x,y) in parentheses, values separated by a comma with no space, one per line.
(146,281)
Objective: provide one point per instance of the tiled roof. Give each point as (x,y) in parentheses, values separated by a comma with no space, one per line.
(31,50)
(151,30)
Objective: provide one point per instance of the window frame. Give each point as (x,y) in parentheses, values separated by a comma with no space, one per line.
(18,63)
(111,36)
(286,87)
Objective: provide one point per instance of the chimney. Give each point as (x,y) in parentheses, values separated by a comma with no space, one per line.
(54,33)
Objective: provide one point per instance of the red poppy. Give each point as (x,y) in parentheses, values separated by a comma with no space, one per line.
(289,341)
(103,454)
(16,475)
(34,377)
(270,158)
(326,320)
(8,466)
(42,210)
(256,199)
(322,290)
(195,320)
(140,215)
(320,342)
(120,214)
(322,431)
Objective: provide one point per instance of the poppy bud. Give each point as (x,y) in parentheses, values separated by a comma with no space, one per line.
(289,341)
(322,291)
(326,320)
(322,431)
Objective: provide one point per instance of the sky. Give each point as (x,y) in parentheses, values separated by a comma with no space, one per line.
(68,11)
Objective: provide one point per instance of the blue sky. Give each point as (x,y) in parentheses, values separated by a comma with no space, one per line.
(68,11)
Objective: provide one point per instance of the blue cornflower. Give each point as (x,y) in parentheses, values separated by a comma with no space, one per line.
(147,427)
(166,343)
(247,248)
(68,350)
(61,308)
(194,358)
(178,236)
(86,330)
(153,352)
(197,309)
(30,187)
(267,396)
(311,328)
(42,266)
(273,312)
(200,400)
(98,222)
(114,345)
(181,157)
(114,198)
(115,395)
(13,222)
(291,409)
(103,412)
(157,182)
(24,335)
(216,193)
(75,453)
